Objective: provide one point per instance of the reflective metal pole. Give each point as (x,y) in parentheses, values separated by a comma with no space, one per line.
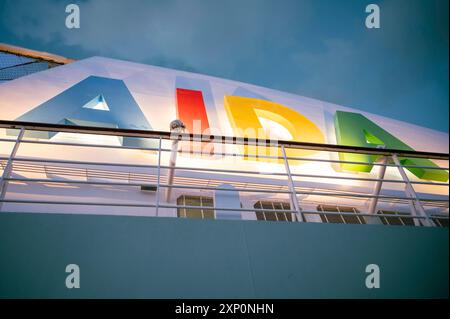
(8,168)
(158,182)
(416,206)
(377,190)
(291,186)
(176,127)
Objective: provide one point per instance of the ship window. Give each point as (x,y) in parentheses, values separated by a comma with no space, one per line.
(202,202)
(392,218)
(271,211)
(339,219)
(440,222)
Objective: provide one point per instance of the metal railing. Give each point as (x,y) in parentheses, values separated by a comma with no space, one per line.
(287,184)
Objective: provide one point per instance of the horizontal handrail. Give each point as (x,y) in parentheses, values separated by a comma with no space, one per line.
(216,139)
(242,209)
(243,190)
(364,179)
(291,158)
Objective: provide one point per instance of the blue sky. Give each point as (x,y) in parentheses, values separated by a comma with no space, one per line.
(315,48)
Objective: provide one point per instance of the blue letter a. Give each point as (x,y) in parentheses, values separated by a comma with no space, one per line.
(75,106)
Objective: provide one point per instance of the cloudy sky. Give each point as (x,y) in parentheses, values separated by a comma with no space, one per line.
(315,48)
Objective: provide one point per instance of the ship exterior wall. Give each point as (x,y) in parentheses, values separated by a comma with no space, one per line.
(145,257)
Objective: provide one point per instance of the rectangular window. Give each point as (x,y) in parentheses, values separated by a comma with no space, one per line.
(339,219)
(201,202)
(440,222)
(271,211)
(392,218)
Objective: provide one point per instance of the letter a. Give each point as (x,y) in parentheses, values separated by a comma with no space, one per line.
(373,279)
(73,19)
(373,19)
(355,129)
(73,279)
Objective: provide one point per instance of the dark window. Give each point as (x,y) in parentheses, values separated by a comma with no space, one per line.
(201,202)
(273,211)
(339,219)
(393,218)
(440,222)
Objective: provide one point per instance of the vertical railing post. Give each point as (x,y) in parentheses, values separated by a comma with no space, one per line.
(176,128)
(8,168)
(378,184)
(158,181)
(416,205)
(291,186)
(377,190)
(171,172)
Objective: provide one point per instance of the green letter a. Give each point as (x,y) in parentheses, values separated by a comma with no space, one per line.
(355,129)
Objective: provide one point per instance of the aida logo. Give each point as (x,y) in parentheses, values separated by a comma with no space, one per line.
(99,101)
(245,115)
